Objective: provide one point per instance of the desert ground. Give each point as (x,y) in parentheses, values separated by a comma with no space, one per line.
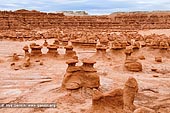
(41,82)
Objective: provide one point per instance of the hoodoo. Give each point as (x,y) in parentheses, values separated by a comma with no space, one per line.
(80,76)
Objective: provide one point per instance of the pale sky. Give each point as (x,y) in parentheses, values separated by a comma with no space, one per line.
(91,6)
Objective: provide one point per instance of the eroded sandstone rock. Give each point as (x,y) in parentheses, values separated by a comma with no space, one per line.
(109,102)
(26,50)
(131,64)
(15,57)
(35,49)
(45,43)
(56,42)
(136,45)
(116,45)
(69,53)
(114,22)
(27,62)
(158,59)
(115,101)
(141,57)
(164,45)
(80,76)
(129,92)
(118,100)
(128,51)
(52,50)
(101,49)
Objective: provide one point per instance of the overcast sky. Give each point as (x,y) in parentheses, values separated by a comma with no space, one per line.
(91,6)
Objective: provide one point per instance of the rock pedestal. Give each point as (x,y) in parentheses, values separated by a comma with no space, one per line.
(128,51)
(71,78)
(36,50)
(80,76)
(101,49)
(45,43)
(52,49)
(26,50)
(116,46)
(69,53)
(90,73)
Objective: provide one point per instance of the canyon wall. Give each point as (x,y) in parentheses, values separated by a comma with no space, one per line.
(24,19)
(144,20)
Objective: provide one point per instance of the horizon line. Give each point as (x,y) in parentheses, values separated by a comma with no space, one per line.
(61,11)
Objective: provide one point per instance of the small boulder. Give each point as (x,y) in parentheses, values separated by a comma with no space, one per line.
(158,59)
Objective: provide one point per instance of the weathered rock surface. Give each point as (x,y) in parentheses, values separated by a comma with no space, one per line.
(132,64)
(80,76)
(118,100)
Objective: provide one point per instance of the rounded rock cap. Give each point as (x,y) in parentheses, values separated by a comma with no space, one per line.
(68,47)
(71,61)
(33,44)
(53,46)
(88,61)
(101,47)
(56,42)
(131,82)
(25,47)
(36,47)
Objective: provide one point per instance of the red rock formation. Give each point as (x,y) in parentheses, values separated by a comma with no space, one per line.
(141,57)
(116,45)
(45,43)
(69,53)
(158,59)
(128,51)
(80,76)
(15,57)
(101,49)
(56,42)
(110,102)
(131,64)
(26,50)
(129,92)
(24,19)
(115,101)
(35,49)
(27,62)
(164,45)
(52,50)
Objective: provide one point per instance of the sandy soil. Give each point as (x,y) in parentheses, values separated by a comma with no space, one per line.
(41,83)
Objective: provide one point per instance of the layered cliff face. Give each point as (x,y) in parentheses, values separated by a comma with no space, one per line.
(24,19)
(144,20)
